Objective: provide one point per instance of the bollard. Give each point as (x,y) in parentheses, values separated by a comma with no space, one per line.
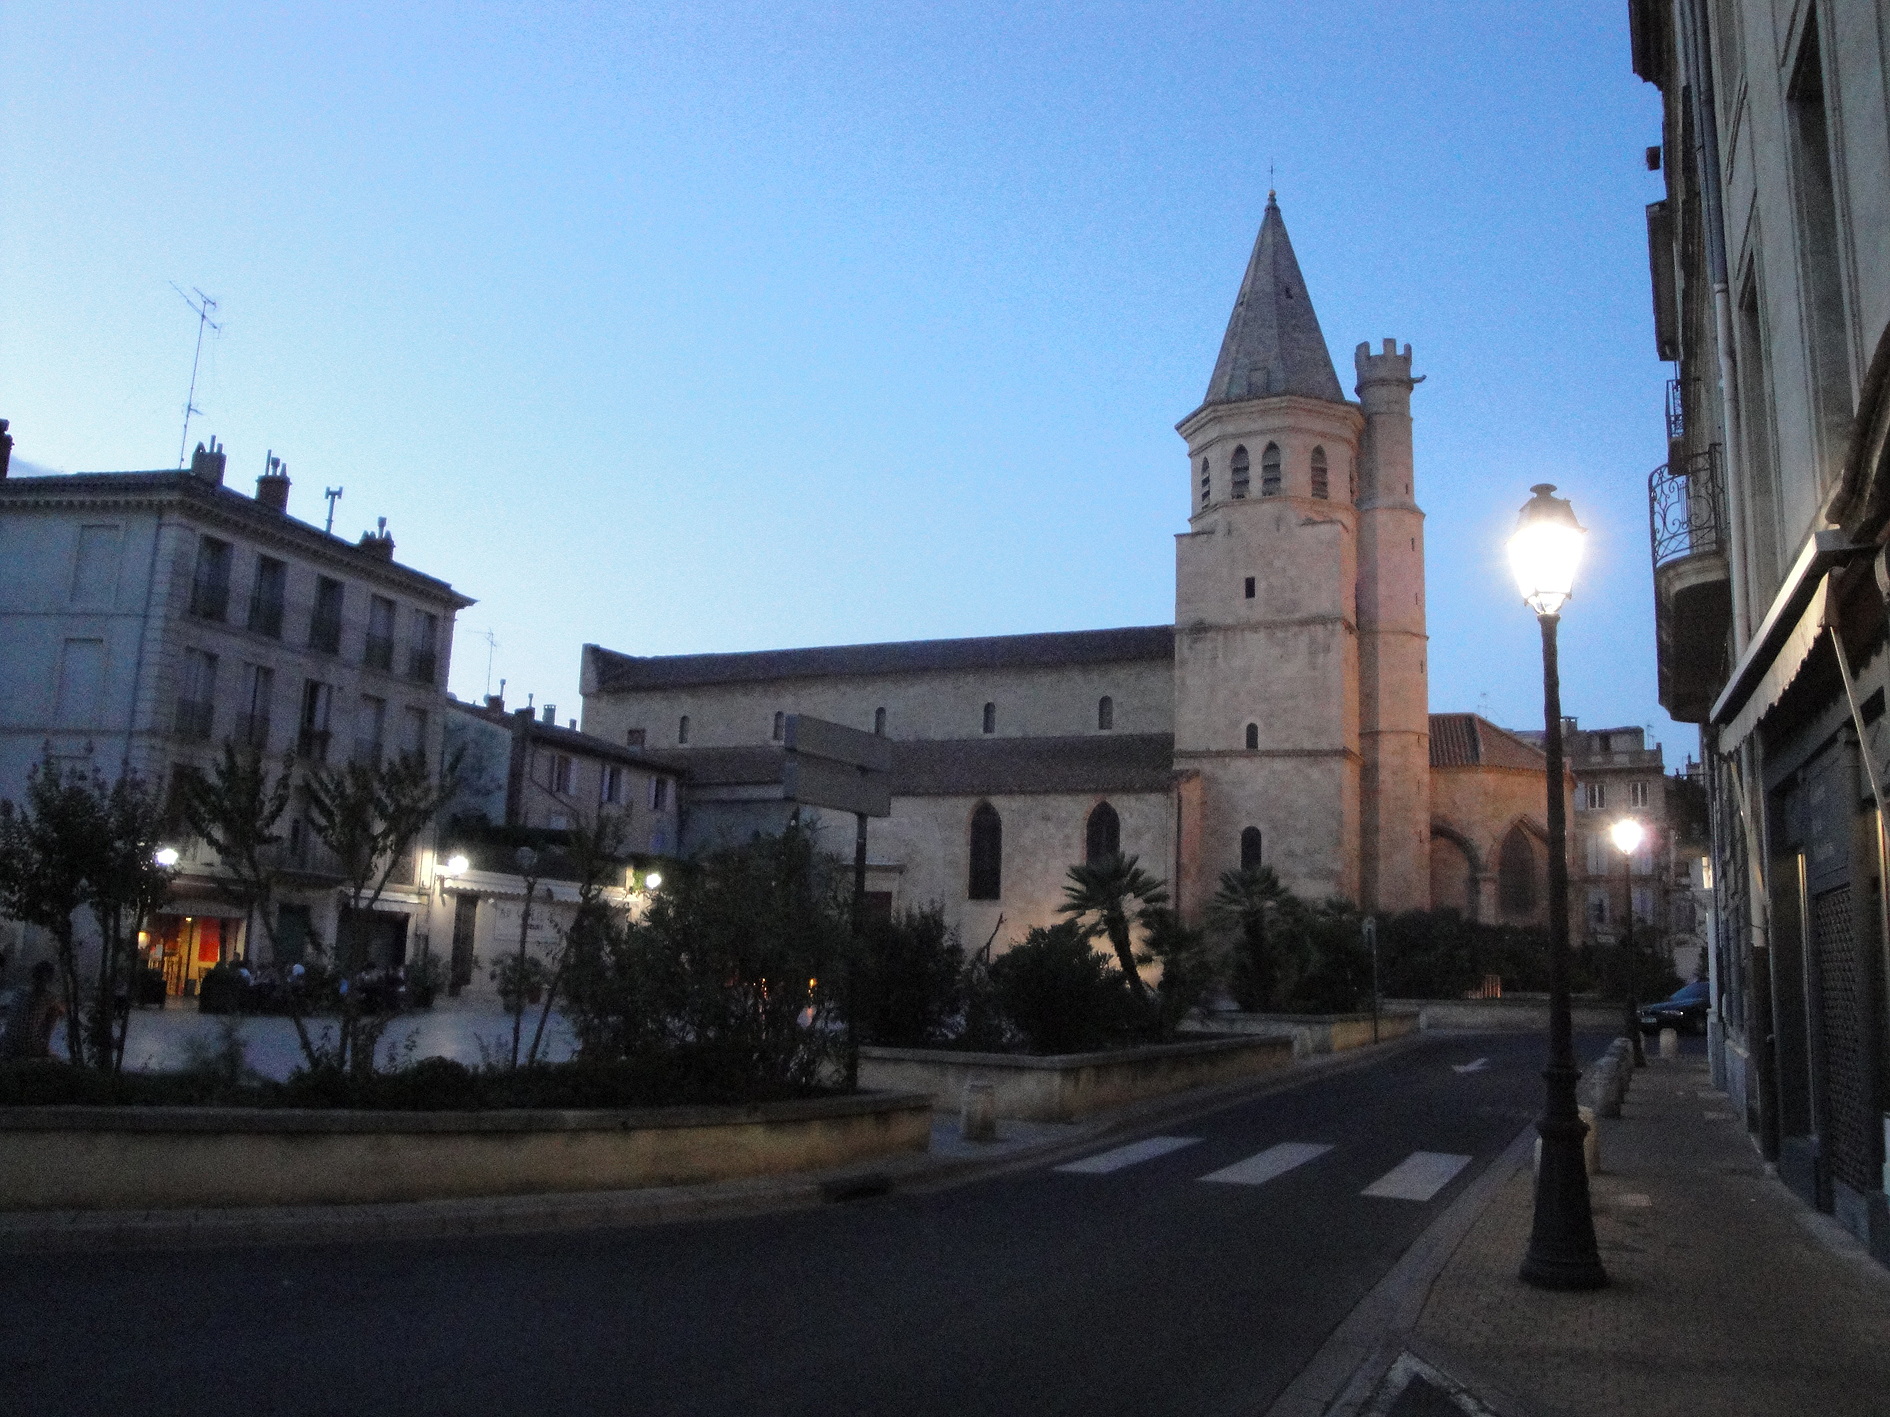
(977,1121)
(1669,1045)
(1608,1085)
(1591,1143)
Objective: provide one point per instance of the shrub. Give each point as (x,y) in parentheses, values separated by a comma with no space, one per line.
(1060,994)
(1191,968)
(908,986)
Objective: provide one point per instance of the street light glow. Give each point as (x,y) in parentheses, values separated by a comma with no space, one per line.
(454,865)
(1628,835)
(165,856)
(652,881)
(1545,550)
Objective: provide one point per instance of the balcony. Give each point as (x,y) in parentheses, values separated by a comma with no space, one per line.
(252,731)
(1691,536)
(194,720)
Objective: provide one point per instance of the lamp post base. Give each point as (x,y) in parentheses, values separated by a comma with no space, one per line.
(1562,1251)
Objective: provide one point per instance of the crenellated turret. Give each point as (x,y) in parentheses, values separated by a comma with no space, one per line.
(1393,648)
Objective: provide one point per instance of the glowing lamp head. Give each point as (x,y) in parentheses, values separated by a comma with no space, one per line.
(1545,550)
(454,865)
(1627,835)
(652,881)
(166,856)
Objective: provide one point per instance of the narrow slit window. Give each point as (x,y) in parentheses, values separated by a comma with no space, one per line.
(1250,844)
(1105,712)
(987,854)
(779,730)
(682,729)
(1250,587)
(1270,471)
(1207,486)
(990,718)
(1241,472)
(1321,477)
(1253,737)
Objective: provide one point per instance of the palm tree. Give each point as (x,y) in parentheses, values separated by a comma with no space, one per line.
(1105,888)
(1245,902)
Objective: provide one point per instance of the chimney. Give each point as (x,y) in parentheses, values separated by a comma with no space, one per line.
(6,448)
(496,702)
(379,542)
(551,714)
(207,463)
(272,488)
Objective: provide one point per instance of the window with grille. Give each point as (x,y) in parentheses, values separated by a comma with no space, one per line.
(1206,485)
(1321,476)
(1241,469)
(379,651)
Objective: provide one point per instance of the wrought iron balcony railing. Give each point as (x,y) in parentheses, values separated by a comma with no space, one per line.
(1686,508)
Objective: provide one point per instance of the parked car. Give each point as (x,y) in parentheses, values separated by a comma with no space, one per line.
(1685,1012)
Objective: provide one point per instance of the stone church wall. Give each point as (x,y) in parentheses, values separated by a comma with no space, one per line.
(1031,702)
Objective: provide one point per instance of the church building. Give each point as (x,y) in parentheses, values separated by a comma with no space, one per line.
(1283,718)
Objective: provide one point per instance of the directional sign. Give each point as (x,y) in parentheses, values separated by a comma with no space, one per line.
(840,768)
(817,738)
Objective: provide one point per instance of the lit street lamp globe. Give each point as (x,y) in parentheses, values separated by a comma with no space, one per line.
(1545,550)
(165,856)
(1627,835)
(453,866)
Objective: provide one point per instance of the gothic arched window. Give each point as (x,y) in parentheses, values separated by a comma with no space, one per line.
(987,853)
(1253,737)
(1270,471)
(1206,486)
(1240,472)
(1516,873)
(1105,712)
(879,721)
(1321,482)
(780,725)
(1249,848)
(990,718)
(1102,836)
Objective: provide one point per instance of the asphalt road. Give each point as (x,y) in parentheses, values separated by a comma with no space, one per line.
(1133,1286)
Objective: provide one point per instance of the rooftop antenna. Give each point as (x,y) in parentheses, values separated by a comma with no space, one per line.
(333,494)
(492,643)
(203,305)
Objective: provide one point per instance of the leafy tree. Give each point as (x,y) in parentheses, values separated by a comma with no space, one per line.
(1060,994)
(126,886)
(369,816)
(1117,894)
(909,983)
(595,850)
(1244,905)
(46,849)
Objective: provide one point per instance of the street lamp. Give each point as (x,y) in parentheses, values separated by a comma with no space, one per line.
(166,856)
(1543,553)
(1628,835)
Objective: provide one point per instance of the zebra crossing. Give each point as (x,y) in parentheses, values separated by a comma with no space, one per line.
(1419,1177)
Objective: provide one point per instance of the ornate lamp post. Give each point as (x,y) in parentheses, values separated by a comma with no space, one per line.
(1627,836)
(1543,553)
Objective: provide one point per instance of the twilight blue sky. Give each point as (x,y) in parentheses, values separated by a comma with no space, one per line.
(716,327)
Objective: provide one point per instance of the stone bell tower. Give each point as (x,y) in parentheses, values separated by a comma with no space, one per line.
(1266,594)
(1393,647)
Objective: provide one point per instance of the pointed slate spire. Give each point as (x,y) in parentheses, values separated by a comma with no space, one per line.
(1273,343)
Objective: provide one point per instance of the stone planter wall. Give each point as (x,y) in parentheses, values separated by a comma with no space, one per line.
(1061,1088)
(1515,1013)
(152,1158)
(1312,1034)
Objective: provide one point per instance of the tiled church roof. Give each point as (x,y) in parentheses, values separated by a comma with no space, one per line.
(969,767)
(626,671)
(1468,740)
(1273,343)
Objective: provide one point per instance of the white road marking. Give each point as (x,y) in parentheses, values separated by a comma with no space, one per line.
(1418,1177)
(1478,1066)
(1145,1150)
(1274,1161)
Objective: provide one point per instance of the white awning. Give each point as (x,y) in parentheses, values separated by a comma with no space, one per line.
(1793,650)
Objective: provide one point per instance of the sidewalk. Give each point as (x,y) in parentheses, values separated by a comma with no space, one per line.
(1727,1294)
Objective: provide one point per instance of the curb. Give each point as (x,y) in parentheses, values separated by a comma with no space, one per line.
(45,1232)
(1349,1366)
